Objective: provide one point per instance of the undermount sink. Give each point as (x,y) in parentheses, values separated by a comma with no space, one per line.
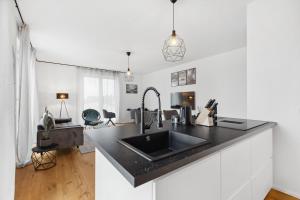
(162,144)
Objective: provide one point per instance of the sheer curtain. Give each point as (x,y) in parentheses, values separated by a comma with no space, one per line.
(98,90)
(26,98)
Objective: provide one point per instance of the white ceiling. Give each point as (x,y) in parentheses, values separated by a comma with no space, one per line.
(97,33)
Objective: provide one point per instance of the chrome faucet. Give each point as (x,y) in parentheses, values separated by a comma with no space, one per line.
(159,119)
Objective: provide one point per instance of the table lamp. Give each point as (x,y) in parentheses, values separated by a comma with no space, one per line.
(62,97)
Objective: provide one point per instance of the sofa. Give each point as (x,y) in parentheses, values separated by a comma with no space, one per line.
(63,135)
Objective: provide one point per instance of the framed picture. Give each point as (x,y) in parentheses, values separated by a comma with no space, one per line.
(191,76)
(174,79)
(131,88)
(182,77)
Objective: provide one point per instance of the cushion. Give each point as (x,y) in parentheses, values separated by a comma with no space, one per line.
(47,122)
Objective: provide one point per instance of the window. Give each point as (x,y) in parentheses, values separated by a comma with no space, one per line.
(91,93)
(108,87)
(109,100)
(99,93)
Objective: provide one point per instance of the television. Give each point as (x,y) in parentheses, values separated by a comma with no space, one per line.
(180,99)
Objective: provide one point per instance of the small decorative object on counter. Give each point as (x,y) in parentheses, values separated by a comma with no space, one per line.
(175,119)
(208,116)
(186,115)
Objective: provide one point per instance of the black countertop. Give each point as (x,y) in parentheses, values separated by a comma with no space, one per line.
(138,170)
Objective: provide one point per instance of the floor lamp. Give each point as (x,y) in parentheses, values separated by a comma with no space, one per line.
(62,97)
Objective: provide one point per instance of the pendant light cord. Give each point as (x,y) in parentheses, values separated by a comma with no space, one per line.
(173,16)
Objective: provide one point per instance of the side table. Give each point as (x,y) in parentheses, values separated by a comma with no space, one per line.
(43,157)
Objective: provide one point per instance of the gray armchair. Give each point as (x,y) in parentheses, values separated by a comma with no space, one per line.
(109,116)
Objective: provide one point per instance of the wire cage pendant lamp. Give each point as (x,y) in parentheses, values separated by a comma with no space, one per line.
(174,47)
(128,76)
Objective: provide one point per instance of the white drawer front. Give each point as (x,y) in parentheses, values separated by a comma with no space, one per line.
(262,150)
(235,168)
(201,180)
(263,181)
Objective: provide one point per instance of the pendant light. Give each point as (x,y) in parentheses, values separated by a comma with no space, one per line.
(128,76)
(174,47)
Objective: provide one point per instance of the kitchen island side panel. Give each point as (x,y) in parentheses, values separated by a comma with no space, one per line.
(111,185)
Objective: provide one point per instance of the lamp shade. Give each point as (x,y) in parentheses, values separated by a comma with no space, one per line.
(62,95)
(174,48)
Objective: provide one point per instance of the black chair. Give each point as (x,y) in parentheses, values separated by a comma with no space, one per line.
(91,117)
(109,116)
(168,114)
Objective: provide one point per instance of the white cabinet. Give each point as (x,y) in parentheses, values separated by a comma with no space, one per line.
(262,164)
(111,185)
(242,171)
(235,168)
(200,180)
(246,168)
(261,149)
(262,182)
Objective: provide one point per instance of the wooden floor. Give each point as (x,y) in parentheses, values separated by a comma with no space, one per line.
(72,178)
(276,195)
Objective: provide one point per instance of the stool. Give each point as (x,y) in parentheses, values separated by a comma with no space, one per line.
(43,157)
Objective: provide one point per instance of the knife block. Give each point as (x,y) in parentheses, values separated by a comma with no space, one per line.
(204,119)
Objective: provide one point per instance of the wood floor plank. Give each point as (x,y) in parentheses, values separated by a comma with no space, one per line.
(72,178)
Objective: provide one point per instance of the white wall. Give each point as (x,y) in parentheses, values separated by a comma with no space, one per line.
(222,77)
(273,87)
(129,100)
(8,29)
(58,78)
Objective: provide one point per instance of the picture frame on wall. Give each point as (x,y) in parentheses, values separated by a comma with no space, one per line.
(182,78)
(174,79)
(131,88)
(191,76)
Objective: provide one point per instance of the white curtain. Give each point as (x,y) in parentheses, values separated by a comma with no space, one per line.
(26,98)
(98,89)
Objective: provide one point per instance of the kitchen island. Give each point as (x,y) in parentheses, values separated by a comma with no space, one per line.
(234,164)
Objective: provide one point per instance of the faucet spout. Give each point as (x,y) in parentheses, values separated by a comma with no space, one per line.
(159,118)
